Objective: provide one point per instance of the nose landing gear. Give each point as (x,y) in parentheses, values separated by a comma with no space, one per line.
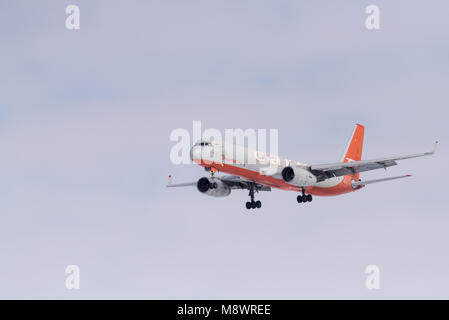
(211,170)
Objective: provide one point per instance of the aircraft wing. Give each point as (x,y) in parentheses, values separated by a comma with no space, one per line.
(185,184)
(233,182)
(325,171)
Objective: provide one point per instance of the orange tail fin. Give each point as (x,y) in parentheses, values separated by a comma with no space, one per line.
(353,151)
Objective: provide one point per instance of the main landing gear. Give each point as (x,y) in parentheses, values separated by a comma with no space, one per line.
(304,197)
(253,204)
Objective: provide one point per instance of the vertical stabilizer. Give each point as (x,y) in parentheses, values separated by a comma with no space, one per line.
(353,150)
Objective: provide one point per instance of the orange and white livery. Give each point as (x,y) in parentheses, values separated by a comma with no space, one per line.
(256,171)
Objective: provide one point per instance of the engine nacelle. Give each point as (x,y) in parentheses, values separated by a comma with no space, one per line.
(213,187)
(298,176)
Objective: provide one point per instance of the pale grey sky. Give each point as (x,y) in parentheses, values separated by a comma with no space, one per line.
(85,118)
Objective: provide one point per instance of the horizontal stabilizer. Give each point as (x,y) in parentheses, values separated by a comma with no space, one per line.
(362,183)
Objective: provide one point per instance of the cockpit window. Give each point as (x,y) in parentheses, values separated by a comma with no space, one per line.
(202,144)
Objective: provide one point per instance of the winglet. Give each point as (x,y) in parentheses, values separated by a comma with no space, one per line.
(169,180)
(435,146)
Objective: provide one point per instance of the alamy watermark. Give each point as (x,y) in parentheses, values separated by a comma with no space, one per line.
(72,282)
(372,282)
(72,22)
(372,21)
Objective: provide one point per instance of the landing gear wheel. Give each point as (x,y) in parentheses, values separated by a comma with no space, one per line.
(304,198)
(309,198)
(299,198)
(253,204)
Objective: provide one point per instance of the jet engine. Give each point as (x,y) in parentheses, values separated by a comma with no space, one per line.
(298,176)
(213,187)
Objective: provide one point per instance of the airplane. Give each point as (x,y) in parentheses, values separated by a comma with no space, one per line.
(255,171)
